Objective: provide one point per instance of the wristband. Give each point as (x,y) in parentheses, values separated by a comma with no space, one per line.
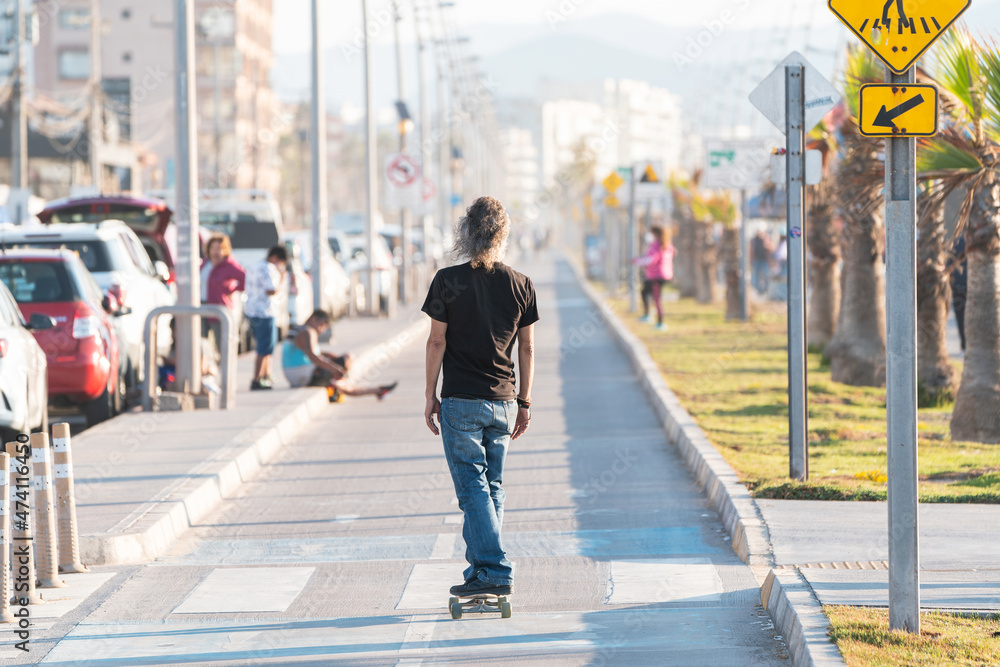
(522,403)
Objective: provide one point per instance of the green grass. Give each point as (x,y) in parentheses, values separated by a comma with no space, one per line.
(863,637)
(732,378)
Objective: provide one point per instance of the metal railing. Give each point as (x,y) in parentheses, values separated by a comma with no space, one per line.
(227,349)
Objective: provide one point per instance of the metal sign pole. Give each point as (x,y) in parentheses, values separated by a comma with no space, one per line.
(632,245)
(901,376)
(744,221)
(319,181)
(795,135)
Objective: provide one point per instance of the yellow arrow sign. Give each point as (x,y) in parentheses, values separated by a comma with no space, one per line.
(611,201)
(890,110)
(613,182)
(898,31)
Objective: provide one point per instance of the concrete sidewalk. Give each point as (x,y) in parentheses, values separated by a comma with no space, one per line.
(142,479)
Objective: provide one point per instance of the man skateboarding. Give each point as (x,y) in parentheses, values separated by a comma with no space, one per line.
(478,310)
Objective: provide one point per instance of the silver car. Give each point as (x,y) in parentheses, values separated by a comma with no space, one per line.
(23,370)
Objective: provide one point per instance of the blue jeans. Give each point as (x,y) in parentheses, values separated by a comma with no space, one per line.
(476,434)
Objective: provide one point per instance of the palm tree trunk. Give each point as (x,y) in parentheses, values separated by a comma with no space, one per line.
(706,263)
(731,256)
(935,375)
(823,238)
(857,350)
(684,263)
(977,406)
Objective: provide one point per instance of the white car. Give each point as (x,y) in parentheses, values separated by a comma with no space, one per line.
(23,387)
(336,282)
(351,250)
(116,258)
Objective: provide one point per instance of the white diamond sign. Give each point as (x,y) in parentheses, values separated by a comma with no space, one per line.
(820,95)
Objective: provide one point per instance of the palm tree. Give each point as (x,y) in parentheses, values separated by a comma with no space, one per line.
(823,238)
(935,374)
(706,251)
(963,160)
(721,209)
(857,350)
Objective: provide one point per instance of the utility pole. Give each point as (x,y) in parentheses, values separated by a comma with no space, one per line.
(217,103)
(19,124)
(371,184)
(96,98)
(319,198)
(444,143)
(404,213)
(188,329)
(425,144)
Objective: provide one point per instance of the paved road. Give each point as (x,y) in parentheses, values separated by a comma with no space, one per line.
(342,552)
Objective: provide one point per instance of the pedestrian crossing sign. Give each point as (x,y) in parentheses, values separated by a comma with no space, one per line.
(898,31)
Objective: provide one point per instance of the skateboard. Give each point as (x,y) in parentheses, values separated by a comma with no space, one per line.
(482,603)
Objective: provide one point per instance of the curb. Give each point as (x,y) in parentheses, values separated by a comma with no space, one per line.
(796,613)
(237,462)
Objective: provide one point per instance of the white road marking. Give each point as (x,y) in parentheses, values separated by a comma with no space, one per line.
(60,601)
(419,633)
(444,546)
(233,590)
(346,518)
(428,585)
(663,580)
(454,519)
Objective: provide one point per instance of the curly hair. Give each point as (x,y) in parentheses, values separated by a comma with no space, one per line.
(481,235)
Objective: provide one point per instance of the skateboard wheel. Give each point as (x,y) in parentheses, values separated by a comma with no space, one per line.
(502,598)
(452,601)
(505,610)
(456,610)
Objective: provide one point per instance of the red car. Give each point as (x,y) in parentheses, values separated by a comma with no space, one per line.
(82,350)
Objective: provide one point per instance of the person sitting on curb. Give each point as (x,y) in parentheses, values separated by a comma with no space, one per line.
(306,366)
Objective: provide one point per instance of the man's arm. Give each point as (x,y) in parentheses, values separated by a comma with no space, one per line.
(526,371)
(435,357)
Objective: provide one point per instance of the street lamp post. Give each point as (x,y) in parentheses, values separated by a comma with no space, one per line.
(371,182)
(319,196)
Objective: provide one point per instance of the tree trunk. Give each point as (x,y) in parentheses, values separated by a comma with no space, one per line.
(731,256)
(977,406)
(706,263)
(684,269)
(823,238)
(857,350)
(935,375)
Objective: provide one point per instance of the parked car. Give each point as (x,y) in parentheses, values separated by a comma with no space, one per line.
(85,363)
(351,250)
(337,284)
(115,257)
(23,385)
(149,217)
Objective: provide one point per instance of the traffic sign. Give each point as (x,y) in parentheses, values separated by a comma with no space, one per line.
(611,201)
(402,181)
(898,31)
(736,164)
(648,185)
(896,110)
(613,182)
(820,95)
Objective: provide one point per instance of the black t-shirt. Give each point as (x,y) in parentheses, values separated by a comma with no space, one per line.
(483,311)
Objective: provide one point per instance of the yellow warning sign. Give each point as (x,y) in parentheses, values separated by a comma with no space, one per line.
(611,201)
(898,31)
(650,175)
(890,110)
(613,182)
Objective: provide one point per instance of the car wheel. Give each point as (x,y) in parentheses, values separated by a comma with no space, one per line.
(121,391)
(101,408)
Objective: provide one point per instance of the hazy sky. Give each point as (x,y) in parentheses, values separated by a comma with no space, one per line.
(342,18)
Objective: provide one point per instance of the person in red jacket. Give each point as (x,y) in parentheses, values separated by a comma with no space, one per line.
(221,277)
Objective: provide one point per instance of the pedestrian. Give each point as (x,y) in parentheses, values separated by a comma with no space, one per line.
(647,284)
(262,284)
(478,310)
(760,255)
(959,278)
(221,278)
(659,268)
(305,365)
